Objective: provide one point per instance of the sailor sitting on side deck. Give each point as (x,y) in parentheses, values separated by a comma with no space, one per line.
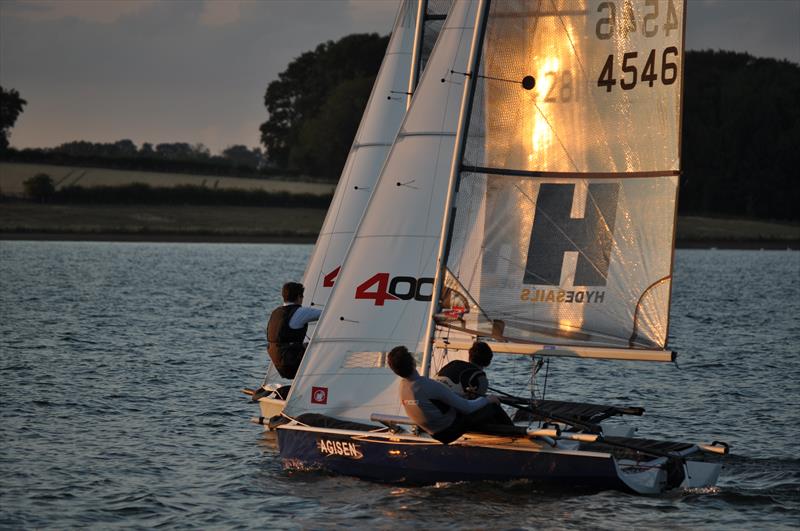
(467,378)
(435,408)
(286,330)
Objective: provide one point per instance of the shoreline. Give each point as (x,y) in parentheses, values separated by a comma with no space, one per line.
(169,237)
(178,237)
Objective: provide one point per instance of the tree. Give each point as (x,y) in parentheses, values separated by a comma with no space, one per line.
(741,124)
(324,140)
(11,105)
(174,150)
(300,93)
(124,148)
(40,187)
(241,155)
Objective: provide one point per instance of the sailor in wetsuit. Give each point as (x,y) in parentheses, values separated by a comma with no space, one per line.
(467,378)
(286,330)
(435,408)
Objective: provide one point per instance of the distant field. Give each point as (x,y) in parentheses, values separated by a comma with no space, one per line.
(22,219)
(12,175)
(18,219)
(723,231)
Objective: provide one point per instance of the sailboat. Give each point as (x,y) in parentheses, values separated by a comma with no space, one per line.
(415,29)
(528,200)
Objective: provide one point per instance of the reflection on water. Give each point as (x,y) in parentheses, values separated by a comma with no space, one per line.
(122,367)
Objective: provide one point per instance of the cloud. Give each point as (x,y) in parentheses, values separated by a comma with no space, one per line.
(220,12)
(87,10)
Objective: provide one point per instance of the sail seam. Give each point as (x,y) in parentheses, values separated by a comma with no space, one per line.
(426,133)
(570,174)
(372,144)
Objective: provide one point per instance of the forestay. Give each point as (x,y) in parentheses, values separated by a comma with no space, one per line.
(382,295)
(565,212)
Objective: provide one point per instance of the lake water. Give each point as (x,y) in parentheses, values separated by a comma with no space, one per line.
(121,366)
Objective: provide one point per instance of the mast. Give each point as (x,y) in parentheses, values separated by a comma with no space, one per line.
(416,53)
(455,168)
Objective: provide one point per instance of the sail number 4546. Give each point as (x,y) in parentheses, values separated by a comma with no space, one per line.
(649,73)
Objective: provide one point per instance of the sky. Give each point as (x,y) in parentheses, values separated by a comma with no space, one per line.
(196,70)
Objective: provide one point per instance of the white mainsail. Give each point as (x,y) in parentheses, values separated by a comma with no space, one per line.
(382,295)
(578,171)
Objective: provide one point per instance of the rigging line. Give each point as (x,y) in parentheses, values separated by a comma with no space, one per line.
(563,147)
(583,70)
(569,38)
(469,216)
(508,260)
(546,374)
(619,292)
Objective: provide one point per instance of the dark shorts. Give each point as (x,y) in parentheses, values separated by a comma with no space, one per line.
(287,358)
(484,419)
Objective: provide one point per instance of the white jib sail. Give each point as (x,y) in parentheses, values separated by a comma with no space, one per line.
(380,122)
(379,125)
(382,294)
(577,172)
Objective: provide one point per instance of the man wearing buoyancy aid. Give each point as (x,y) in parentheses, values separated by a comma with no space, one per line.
(286,330)
(467,378)
(435,408)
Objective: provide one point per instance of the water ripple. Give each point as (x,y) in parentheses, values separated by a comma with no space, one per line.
(122,366)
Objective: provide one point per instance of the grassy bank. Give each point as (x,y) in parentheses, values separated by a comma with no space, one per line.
(158,223)
(21,220)
(694,231)
(12,175)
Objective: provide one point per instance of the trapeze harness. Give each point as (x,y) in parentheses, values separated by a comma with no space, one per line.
(285,344)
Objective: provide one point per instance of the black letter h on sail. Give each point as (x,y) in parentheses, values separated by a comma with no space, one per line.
(554,232)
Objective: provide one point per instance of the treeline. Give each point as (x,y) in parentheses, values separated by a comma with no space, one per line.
(741,124)
(741,130)
(316,104)
(741,136)
(169,157)
(40,188)
(143,194)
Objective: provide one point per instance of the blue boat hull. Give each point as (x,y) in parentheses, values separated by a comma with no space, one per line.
(423,462)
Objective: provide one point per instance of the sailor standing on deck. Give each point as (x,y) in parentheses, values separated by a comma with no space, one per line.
(286,330)
(438,410)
